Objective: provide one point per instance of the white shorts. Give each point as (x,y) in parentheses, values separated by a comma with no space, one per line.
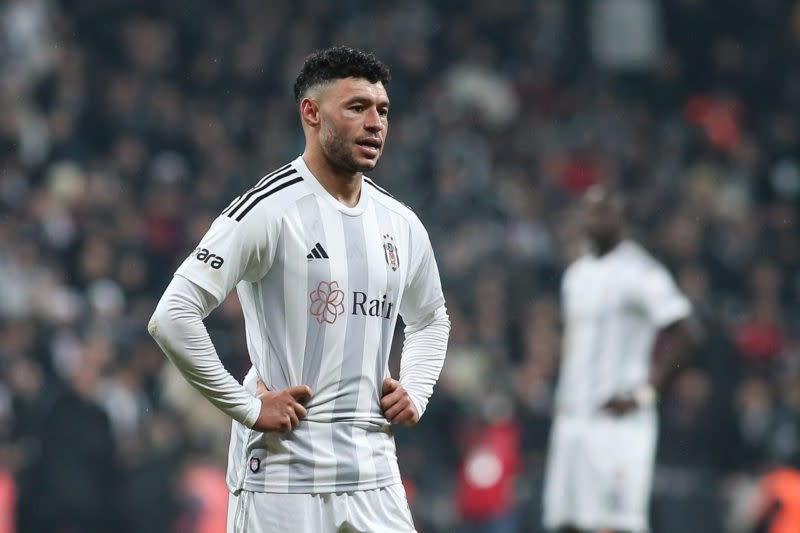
(383,510)
(599,472)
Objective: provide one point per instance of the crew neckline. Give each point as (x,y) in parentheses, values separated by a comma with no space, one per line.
(319,190)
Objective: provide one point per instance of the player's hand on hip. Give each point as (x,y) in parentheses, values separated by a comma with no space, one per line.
(397,405)
(620,405)
(281,410)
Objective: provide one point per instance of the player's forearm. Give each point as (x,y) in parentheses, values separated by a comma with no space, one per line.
(422,358)
(177,326)
(678,344)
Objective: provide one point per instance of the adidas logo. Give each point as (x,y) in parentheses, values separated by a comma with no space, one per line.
(317,252)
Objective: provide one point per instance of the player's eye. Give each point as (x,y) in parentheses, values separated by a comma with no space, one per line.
(358,108)
(383,112)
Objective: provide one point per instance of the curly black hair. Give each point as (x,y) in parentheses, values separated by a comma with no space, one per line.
(336,63)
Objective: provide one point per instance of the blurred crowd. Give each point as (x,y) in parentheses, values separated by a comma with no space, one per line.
(127,125)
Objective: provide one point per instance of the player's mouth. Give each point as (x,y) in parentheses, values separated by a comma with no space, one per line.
(370,146)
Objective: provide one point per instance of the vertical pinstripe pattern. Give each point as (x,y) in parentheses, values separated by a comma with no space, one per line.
(598,353)
(317,271)
(610,337)
(350,378)
(301,460)
(621,349)
(277,367)
(240,438)
(327,388)
(293,289)
(369,443)
(393,291)
(276,370)
(345,443)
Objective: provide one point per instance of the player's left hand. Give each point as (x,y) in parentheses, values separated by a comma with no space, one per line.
(397,405)
(620,405)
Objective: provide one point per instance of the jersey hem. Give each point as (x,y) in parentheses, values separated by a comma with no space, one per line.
(317,488)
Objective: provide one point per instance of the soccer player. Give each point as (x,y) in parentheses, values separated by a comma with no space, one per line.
(616,300)
(323,261)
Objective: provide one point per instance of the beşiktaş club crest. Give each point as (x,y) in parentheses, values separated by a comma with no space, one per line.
(255,464)
(390,252)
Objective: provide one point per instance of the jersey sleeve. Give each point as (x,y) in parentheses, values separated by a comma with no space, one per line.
(660,297)
(231,251)
(423,293)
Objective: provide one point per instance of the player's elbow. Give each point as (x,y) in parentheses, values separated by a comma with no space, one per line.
(159,323)
(163,329)
(154,325)
(440,321)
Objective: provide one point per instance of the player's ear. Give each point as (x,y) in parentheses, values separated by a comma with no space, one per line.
(309,112)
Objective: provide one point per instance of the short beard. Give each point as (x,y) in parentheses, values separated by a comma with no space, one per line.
(338,151)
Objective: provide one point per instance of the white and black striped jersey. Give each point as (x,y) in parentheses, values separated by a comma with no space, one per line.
(613,307)
(321,286)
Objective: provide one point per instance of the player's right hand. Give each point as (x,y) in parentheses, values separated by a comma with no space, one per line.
(281,410)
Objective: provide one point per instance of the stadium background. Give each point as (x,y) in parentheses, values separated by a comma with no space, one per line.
(126,125)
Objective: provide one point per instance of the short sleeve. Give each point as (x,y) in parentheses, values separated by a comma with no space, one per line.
(231,251)
(660,297)
(423,293)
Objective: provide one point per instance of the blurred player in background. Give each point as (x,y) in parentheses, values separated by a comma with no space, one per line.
(323,261)
(616,300)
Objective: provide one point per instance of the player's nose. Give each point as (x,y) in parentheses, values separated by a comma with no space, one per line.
(373,122)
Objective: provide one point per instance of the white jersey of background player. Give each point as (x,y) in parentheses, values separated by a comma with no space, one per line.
(323,261)
(615,301)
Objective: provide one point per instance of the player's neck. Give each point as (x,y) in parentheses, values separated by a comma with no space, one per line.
(344,186)
(602,248)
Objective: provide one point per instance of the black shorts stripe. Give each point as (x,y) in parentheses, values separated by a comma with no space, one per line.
(257,190)
(270,192)
(379,189)
(240,200)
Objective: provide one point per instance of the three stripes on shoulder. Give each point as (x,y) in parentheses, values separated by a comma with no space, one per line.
(286,176)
